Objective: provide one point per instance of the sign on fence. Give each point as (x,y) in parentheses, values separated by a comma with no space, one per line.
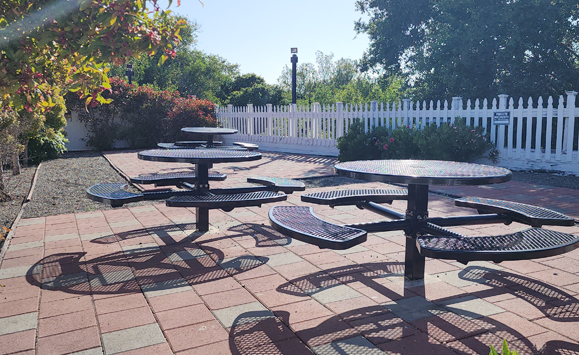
(501,117)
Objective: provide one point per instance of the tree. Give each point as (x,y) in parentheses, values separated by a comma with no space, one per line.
(475,48)
(49,47)
(329,81)
(252,89)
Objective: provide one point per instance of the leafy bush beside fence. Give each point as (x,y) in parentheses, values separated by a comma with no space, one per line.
(456,142)
(142,116)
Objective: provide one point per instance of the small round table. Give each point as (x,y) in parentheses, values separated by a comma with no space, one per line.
(209,132)
(203,160)
(418,174)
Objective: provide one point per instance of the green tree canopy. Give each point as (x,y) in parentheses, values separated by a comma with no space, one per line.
(475,48)
(329,81)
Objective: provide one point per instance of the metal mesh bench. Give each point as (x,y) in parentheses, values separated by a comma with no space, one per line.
(352,197)
(226,201)
(528,244)
(116,194)
(171,146)
(173,178)
(113,193)
(527,214)
(248,146)
(280,184)
(301,223)
(194,144)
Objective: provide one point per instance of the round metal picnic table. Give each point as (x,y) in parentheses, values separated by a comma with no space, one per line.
(209,132)
(419,174)
(203,160)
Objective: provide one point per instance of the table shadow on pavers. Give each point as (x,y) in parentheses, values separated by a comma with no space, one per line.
(139,268)
(554,303)
(444,320)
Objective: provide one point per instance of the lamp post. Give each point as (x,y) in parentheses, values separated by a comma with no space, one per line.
(294,60)
(129,72)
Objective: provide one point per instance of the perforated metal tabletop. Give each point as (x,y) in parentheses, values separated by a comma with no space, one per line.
(424,172)
(198,156)
(208,130)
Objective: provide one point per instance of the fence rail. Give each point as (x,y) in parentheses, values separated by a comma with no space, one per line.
(539,134)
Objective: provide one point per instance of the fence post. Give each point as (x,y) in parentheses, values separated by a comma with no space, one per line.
(456,106)
(316,110)
(568,140)
(340,118)
(502,107)
(219,123)
(374,109)
(269,109)
(230,118)
(405,108)
(249,119)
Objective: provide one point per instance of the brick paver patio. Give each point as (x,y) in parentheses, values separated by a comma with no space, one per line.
(139,280)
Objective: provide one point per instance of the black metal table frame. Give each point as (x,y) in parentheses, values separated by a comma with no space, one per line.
(201,186)
(416,220)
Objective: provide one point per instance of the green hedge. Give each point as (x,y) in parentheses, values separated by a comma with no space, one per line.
(455,142)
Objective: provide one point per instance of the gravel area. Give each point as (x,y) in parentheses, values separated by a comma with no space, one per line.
(61,185)
(17,187)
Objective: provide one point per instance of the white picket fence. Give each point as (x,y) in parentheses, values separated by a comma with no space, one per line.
(314,129)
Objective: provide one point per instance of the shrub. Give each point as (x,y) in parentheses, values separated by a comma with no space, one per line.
(49,141)
(188,112)
(356,144)
(143,116)
(455,142)
(400,144)
(46,146)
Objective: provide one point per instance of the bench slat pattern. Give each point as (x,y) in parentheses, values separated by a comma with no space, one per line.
(172,178)
(301,223)
(226,201)
(528,214)
(351,197)
(528,244)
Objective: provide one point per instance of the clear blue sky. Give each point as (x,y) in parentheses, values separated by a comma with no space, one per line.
(258,34)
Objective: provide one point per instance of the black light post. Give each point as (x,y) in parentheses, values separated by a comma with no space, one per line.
(294,59)
(129,72)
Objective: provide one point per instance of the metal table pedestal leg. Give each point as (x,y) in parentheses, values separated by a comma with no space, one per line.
(417,210)
(202,185)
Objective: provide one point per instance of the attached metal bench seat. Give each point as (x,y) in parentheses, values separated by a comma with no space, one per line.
(301,223)
(194,144)
(280,184)
(531,243)
(113,193)
(248,146)
(226,202)
(352,197)
(116,194)
(173,178)
(527,214)
(185,144)
(171,146)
